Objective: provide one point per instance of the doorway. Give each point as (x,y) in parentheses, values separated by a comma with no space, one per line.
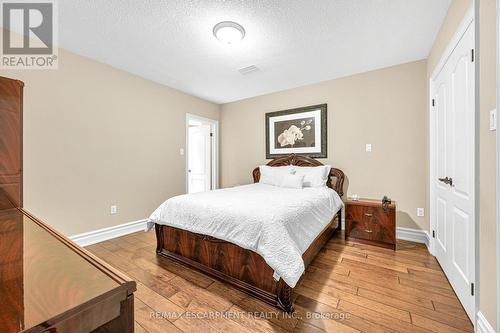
(452,164)
(201,154)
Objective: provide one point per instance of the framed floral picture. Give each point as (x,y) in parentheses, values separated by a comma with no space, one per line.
(300,131)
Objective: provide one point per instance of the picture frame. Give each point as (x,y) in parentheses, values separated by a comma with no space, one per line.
(297,131)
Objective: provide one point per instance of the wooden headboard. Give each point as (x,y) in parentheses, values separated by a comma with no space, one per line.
(335,179)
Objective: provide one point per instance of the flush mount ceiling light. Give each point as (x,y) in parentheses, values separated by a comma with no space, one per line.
(229,32)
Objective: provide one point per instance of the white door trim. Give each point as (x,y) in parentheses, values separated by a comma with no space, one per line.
(477,69)
(215,148)
(467,22)
(498,162)
(462,28)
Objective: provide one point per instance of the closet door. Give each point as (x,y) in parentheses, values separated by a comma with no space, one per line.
(11,96)
(454,168)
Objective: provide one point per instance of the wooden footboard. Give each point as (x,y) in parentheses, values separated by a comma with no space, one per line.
(242,268)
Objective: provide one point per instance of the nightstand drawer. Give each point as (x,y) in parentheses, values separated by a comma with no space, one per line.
(370,222)
(359,229)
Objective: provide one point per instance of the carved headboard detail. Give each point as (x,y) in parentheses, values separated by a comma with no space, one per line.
(335,179)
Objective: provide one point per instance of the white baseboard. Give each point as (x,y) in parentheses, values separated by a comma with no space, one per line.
(97,236)
(101,235)
(413,235)
(483,326)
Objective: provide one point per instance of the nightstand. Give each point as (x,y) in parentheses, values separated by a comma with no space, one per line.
(368,221)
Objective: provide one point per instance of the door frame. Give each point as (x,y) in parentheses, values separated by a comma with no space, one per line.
(214,124)
(467,22)
(498,161)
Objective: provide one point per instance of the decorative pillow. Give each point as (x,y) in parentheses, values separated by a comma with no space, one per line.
(292,181)
(274,175)
(314,176)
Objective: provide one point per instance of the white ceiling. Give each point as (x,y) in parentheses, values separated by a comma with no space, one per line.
(292,42)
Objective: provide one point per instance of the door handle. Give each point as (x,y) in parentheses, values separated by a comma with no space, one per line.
(448,181)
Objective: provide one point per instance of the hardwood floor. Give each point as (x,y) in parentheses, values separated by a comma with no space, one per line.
(349,287)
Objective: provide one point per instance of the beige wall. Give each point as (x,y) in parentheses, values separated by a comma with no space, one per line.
(487,182)
(96,136)
(487,100)
(385,108)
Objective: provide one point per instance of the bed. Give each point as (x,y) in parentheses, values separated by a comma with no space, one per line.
(254,236)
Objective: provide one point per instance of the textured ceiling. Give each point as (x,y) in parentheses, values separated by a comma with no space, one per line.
(293,43)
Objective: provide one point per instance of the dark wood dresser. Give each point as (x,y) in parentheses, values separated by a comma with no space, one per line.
(368,221)
(11,145)
(47,282)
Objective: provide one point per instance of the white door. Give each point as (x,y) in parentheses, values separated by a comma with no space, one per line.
(199,156)
(453,95)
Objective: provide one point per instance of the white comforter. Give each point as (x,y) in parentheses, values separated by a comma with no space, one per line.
(277,223)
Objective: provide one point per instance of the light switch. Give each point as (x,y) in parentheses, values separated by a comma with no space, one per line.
(181,151)
(493,120)
(113,210)
(368,147)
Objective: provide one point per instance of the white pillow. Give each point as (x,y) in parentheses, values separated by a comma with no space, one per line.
(292,181)
(314,176)
(274,175)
